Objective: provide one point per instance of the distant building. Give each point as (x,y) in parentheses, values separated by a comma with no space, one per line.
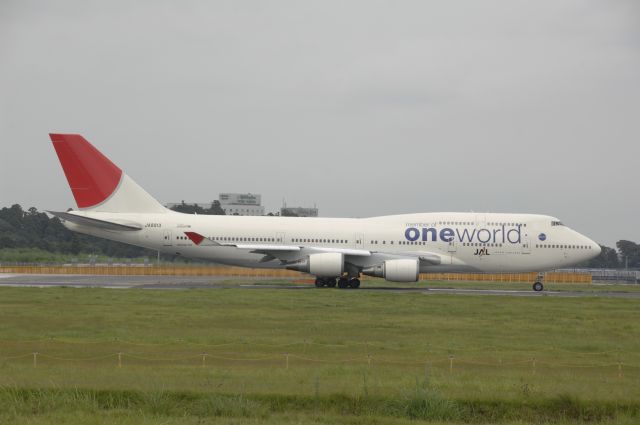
(241,203)
(298,212)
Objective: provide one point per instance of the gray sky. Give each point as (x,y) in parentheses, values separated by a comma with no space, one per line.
(365,108)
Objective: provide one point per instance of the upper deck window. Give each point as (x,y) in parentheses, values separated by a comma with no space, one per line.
(557,223)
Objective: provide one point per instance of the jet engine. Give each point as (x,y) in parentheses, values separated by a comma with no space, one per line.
(324,264)
(401,270)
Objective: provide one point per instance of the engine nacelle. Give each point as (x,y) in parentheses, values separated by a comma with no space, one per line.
(324,264)
(401,270)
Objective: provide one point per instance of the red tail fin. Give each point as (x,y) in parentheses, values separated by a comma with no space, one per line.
(91,176)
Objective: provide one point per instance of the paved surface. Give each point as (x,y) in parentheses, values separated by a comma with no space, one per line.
(213,282)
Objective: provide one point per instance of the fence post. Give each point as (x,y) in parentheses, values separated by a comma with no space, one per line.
(204,356)
(286,356)
(369,360)
(119,359)
(35,359)
(450,363)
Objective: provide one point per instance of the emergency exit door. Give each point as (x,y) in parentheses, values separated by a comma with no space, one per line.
(166,238)
(358,240)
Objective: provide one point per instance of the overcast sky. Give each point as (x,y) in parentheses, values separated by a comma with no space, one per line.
(365,108)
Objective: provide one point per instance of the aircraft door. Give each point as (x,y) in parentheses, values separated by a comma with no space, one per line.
(452,246)
(481,220)
(358,240)
(166,238)
(280,238)
(526,245)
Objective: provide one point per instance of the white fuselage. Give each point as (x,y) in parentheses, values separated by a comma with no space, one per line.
(482,242)
(335,250)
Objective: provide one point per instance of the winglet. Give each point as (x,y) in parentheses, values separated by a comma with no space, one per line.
(196,238)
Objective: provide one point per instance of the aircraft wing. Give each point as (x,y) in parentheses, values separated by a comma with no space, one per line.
(288,253)
(427,257)
(200,240)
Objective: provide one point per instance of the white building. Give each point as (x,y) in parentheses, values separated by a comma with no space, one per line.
(232,204)
(241,203)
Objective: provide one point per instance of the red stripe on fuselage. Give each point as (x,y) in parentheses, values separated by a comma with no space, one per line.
(91,175)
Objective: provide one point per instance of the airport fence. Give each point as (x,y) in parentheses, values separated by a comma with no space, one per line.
(207,270)
(120,354)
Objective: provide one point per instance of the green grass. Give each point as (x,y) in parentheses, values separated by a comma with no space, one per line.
(419,404)
(354,357)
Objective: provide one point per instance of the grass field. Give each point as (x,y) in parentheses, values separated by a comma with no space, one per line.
(317,356)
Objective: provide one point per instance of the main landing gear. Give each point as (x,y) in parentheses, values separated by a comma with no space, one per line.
(329,282)
(537,285)
(343,282)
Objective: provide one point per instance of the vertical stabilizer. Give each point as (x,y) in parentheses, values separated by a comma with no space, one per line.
(97,183)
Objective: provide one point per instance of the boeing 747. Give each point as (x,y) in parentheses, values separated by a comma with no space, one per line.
(337,251)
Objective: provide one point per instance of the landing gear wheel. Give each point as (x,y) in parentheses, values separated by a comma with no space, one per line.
(331,282)
(354,283)
(320,282)
(537,286)
(343,282)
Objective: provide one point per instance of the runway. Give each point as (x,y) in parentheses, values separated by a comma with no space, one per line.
(253,283)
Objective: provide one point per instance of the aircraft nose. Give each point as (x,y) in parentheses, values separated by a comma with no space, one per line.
(595,249)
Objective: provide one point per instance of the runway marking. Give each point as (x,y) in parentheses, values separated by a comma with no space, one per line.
(172,283)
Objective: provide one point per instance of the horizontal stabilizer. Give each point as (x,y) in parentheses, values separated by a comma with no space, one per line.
(94,222)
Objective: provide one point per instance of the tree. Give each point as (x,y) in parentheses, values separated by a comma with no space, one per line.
(216,208)
(188,209)
(630,253)
(608,259)
(34,229)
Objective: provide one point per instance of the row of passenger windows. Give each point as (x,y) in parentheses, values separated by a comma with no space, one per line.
(334,241)
(544,245)
(240,239)
(481,244)
(471,223)
(312,240)
(345,241)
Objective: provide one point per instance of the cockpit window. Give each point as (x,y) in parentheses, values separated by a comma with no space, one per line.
(557,223)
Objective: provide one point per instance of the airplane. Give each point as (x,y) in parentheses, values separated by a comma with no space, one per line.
(337,251)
